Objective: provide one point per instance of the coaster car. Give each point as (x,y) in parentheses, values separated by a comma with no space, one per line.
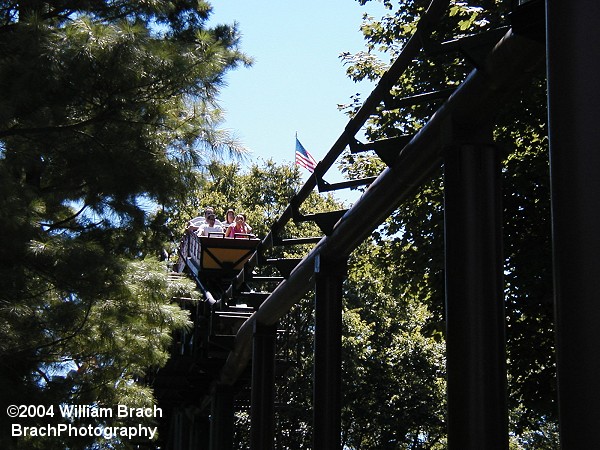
(218,253)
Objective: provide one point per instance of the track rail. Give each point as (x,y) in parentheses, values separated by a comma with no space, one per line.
(472,106)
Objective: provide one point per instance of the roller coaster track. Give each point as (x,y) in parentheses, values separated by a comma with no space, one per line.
(469,109)
(467,112)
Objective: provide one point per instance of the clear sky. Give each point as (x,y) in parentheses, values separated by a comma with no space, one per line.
(297,79)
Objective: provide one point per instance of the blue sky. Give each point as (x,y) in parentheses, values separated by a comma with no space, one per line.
(297,79)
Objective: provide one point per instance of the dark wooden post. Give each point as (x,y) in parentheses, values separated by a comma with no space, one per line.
(222,415)
(328,353)
(574,134)
(476,360)
(263,387)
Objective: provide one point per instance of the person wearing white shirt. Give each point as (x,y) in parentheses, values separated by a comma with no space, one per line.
(210,226)
(196,223)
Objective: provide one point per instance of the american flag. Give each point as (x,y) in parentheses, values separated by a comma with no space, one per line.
(303,158)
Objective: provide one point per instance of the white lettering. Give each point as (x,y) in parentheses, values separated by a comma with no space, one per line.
(122,411)
(66,410)
(71,430)
(16,430)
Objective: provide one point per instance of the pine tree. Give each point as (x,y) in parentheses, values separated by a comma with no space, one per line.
(108,111)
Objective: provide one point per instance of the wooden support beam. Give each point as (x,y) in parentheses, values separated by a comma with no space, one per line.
(573,99)
(327,423)
(475,341)
(262,435)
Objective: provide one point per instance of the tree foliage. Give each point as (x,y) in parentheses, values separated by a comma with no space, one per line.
(393,365)
(107,114)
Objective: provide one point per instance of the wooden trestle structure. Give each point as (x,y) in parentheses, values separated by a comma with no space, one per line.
(212,364)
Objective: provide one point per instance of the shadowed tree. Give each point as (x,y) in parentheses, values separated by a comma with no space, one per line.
(108,111)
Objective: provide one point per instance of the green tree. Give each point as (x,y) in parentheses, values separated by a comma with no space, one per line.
(108,111)
(393,364)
